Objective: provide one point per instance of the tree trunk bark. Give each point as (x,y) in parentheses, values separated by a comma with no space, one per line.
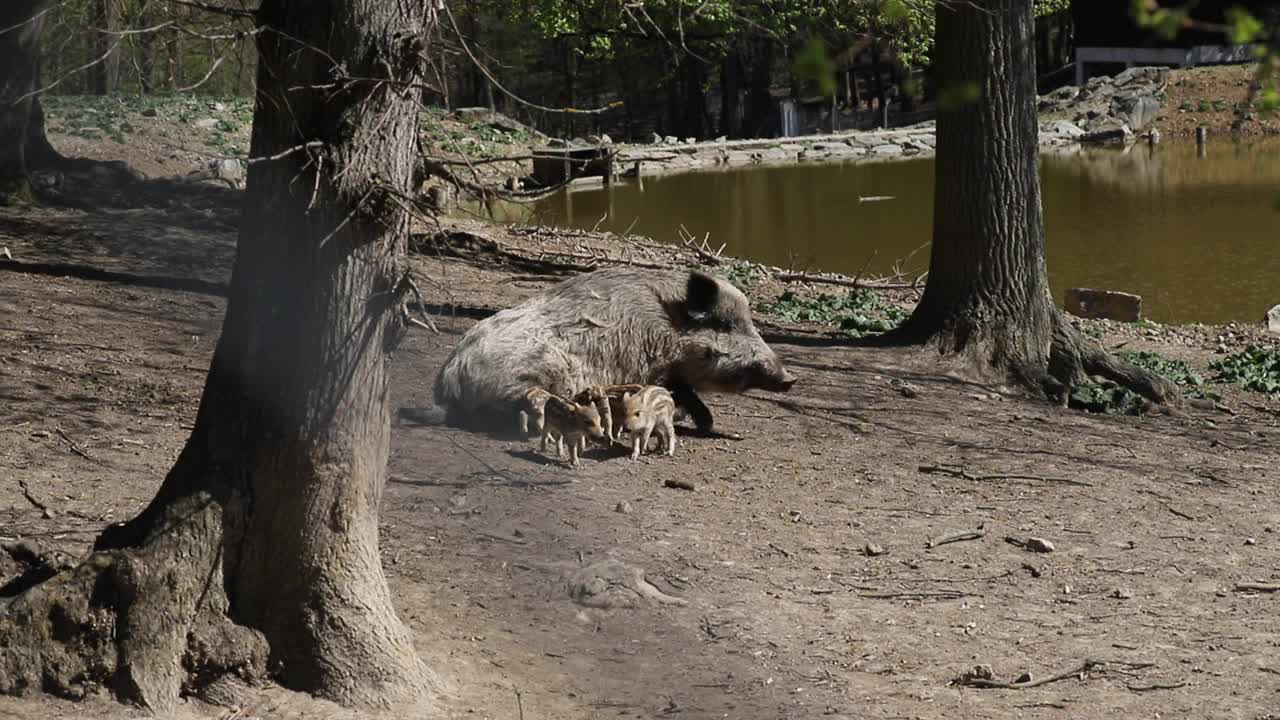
(260,548)
(20,56)
(104,78)
(987,297)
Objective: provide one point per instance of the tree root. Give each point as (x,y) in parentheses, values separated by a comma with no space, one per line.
(1075,357)
(149,624)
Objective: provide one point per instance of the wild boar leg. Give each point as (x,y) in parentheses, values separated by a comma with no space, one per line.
(635,446)
(524,423)
(669,434)
(606,419)
(686,398)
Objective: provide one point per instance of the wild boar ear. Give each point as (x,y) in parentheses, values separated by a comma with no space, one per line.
(701,296)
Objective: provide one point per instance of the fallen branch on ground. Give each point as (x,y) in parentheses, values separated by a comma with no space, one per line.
(970,680)
(966,475)
(958,536)
(1257,587)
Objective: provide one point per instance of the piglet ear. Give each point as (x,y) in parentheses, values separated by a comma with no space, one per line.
(626,396)
(701,295)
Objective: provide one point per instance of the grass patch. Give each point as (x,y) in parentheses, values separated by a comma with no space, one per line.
(117,117)
(480,138)
(1255,368)
(743,275)
(858,312)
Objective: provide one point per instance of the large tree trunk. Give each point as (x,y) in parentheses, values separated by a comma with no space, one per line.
(20,57)
(987,296)
(260,549)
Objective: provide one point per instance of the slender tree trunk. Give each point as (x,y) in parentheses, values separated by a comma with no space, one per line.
(104,78)
(260,550)
(20,57)
(759,101)
(987,296)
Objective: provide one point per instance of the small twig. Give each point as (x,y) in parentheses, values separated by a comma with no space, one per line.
(26,493)
(1157,686)
(918,595)
(1262,409)
(74,448)
(966,475)
(958,536)
(519,703)
(504,538)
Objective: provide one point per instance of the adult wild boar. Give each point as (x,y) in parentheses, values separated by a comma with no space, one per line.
(686,331)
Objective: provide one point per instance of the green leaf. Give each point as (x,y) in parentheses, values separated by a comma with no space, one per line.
(1244,27)
(813,66)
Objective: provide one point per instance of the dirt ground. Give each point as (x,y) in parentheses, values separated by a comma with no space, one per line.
(1208,96)
(491,549)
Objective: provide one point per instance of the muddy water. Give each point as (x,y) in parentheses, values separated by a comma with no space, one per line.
(1197,237)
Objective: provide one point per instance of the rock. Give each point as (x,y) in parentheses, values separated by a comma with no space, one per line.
(149,112)
(722,138)
(205,123)
(1273,320)
(613,584)
(219,107)
(1108,132)
(1104,304)
(886,150)
(1121,594)
(1157,76)
(1067,129)
(690,141)
(593,139)
(606,140)
(1138,109)
(671,140)
(655,139)
(230,169)
(557,143)
(1035,544)
(472,113)
(623,507)
(873,550)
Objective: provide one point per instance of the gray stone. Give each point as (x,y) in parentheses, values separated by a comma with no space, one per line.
(671,140)
(606,140)
(205,123)
(1138,109)
(886,149)
(1067,129)
(690,141)
(229,169)
(472,113)
(1143,75)
(1108,132)
(149,112)
(1104,304)
(557,143)
(1273,320)
(928,141)
(655,139)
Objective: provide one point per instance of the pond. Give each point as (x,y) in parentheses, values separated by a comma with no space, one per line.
(1197,237)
